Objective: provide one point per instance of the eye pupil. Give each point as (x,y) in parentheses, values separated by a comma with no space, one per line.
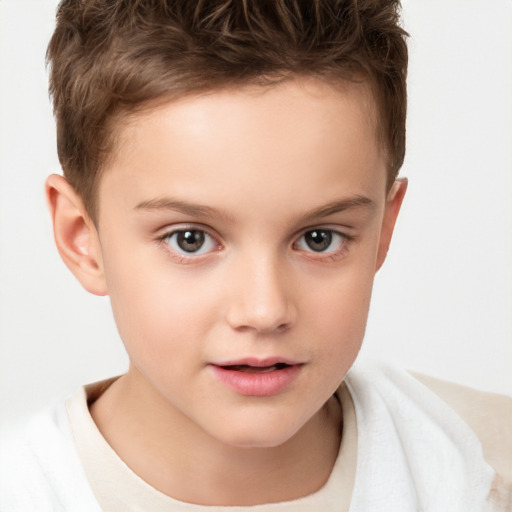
(318,239)
(190,240)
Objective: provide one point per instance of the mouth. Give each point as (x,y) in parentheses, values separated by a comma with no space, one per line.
(246,368)
(257,377)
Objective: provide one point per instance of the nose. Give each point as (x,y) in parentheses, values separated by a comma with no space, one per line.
(261,297)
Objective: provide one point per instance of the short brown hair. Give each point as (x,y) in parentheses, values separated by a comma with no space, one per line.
(109,58)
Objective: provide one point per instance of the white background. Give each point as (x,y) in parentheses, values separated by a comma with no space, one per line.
(443,302)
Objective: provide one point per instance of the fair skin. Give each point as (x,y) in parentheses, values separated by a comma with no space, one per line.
(236,230)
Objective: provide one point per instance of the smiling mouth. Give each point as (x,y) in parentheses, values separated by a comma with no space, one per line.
(245,368)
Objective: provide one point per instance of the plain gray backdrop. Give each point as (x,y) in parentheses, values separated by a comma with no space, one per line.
(443,301)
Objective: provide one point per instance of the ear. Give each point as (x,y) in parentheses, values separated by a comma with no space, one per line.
(393,204)
(75,235)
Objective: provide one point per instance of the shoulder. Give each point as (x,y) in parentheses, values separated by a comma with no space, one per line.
(489,416)
(40,468)
(418,445)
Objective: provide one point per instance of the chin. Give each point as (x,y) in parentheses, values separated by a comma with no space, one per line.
(254,442)
(257,435)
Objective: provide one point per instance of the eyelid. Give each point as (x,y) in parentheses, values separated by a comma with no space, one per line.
(326,255)
(345,231)
(169,231)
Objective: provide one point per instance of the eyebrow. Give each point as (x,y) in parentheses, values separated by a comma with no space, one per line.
(349,203)
(198,210)
(192,209)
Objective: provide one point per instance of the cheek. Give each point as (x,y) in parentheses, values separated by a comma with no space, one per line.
(158,310)
(341,312)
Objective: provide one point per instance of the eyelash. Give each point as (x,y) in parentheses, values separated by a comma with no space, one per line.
(182,258)
(332,255)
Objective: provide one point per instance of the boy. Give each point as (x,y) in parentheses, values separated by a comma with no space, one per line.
(231,185)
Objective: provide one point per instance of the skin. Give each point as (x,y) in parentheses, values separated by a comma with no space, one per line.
(256,169)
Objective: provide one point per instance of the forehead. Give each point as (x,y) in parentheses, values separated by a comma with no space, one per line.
(305,95)
(263,139)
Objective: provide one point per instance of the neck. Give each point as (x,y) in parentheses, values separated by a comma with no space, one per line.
(173,454)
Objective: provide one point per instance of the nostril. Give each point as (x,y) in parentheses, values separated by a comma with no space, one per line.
(283,327)
(262,304)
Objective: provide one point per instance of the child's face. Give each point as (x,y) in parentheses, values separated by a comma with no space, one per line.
(244,228)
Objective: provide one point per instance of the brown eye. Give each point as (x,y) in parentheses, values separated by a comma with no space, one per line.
(318,240)
(321,241)
(190,242)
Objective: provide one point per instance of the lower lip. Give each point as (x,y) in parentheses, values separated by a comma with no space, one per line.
(257,384)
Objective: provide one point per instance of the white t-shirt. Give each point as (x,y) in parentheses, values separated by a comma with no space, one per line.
(402,449)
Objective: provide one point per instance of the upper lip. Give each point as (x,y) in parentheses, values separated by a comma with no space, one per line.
(257,362)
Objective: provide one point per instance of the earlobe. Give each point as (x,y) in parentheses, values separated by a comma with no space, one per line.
(75,235)
(393,203)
